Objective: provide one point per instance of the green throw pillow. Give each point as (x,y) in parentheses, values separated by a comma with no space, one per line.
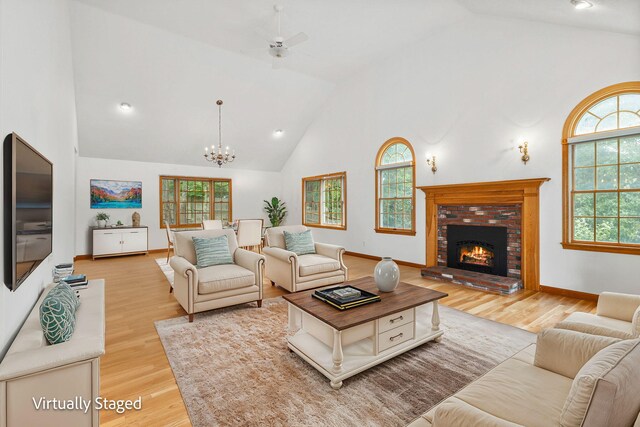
(58,314)
(300,243)
(212,251)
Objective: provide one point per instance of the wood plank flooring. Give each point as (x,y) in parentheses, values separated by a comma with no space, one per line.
(137,294)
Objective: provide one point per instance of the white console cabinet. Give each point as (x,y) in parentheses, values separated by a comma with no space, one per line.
(114,241)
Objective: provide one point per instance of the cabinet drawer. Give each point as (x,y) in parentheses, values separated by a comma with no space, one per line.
(394,320)
(395,336)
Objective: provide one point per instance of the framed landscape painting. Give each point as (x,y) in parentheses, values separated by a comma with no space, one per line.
(107,194)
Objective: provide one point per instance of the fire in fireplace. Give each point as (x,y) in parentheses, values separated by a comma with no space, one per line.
(477,248)
(476,254)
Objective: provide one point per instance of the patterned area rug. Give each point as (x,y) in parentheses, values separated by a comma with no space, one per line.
(166,269)
(233,368)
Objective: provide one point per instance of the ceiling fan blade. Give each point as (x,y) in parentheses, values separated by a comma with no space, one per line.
(297,39)
(277,63)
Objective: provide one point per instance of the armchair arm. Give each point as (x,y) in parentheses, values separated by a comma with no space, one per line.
(250,260)
(618,306)
(331,251)
(184,268)
(565,352)
(281,254)
(454,413)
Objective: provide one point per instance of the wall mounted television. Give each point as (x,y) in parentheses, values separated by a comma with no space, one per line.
(28,209)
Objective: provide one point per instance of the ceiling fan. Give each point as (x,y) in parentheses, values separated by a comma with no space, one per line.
(279,48)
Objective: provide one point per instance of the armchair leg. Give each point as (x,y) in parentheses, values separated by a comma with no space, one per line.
(273,283)
(191,318)
(170,289)
(259,303)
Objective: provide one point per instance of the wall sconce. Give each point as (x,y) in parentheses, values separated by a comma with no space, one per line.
(524,149)
(432,162)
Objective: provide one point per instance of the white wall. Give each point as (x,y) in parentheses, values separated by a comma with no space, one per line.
(468,94)
(37,102)
(249,188)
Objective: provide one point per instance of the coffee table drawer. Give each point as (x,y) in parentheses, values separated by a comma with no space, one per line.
(395,336)
(394,320)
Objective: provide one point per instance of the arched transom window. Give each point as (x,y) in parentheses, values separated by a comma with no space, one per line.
(395,188)
(601,155)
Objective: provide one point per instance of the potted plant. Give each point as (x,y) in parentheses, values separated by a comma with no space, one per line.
(276,210)
(102,218)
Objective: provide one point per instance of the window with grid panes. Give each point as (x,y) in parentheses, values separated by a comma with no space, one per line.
(395,195)
(604,176)
(324,200)
(187,201)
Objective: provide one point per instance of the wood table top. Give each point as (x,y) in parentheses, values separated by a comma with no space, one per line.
(405,296)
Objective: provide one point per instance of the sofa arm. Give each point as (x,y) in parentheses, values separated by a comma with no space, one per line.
(455,413)
(281,254)
(565,352)
(331,251)
(618,306)
(184,268)
(250,260)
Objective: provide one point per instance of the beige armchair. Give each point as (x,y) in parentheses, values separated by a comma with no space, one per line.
(299,272)
(617,315)
(202,289)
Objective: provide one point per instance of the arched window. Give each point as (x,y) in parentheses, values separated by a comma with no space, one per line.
(601,172)
(395,188)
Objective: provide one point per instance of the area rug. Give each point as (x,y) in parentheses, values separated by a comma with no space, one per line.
(166,269)
(233,368)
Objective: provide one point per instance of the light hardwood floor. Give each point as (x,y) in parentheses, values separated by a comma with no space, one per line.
(137,294)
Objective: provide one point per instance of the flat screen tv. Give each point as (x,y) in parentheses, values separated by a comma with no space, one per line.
(28,209)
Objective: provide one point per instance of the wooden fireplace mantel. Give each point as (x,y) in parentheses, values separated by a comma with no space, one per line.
(520,191)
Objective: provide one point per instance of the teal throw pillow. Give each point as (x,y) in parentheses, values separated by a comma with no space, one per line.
(212,251)
(300,243)
(58,314)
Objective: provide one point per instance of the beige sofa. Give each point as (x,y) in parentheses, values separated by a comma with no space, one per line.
(32,368)
(299,272)
(617,315)
(202,289)
(567,379)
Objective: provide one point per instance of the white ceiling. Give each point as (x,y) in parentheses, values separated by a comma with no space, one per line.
(621,16)
(172,59)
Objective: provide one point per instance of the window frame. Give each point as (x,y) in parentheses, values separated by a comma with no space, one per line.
(322,179)
(177,179)
(377,171)
(568,141)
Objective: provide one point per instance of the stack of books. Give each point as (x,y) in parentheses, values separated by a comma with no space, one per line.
(62,270)
(345,297)
(77,281)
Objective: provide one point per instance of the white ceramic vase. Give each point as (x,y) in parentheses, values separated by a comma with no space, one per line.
(386,275)
(102,223)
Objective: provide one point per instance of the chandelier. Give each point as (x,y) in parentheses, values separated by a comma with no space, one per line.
(220,158)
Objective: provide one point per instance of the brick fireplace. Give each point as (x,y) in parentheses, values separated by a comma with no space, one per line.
(511,205)
(481,220)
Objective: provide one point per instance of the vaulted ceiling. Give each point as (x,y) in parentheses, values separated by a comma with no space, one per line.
(172,59)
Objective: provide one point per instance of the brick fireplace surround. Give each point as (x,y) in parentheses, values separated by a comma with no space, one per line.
(508,216)
(495,199)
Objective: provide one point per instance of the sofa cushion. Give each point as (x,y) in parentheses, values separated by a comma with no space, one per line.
(212,251)
(314,264)
(274,236)
(58,314)
(618,306)
(520,393)
(300,243)
(184,242)
(606,391)
(565,352)
(223,278)
(596,325)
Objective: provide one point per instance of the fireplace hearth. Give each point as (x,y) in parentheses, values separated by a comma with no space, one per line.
(477,248)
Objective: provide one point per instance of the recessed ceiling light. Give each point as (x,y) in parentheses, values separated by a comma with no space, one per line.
(581,4)
(278,132)
(125,107)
